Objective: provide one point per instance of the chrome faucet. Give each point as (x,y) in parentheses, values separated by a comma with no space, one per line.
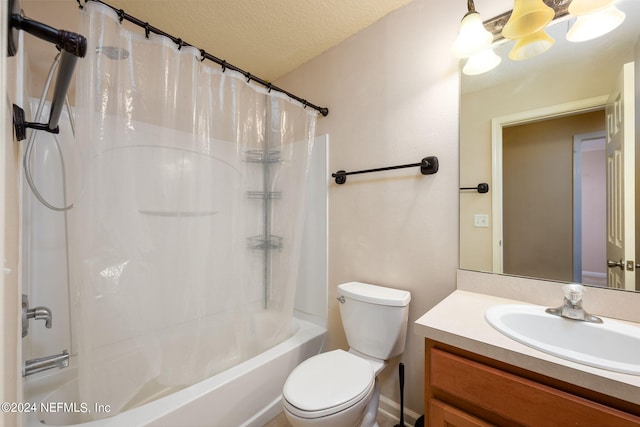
(38,313)
(571,307)
(43,363)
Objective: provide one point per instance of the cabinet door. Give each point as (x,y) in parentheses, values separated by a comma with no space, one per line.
(515,398)
(443,415)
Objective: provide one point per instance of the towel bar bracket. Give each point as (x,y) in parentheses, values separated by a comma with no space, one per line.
(340,176)
(482,188)
(429,165)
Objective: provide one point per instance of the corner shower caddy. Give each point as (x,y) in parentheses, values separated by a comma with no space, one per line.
(265,242)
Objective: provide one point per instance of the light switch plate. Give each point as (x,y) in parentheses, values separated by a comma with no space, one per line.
(480,220)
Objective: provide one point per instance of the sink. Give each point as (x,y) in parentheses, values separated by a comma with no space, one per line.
(612,345)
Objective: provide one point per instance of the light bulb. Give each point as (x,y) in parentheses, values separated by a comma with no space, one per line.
(533,45)
(481,62)
(593,25)
(585,7)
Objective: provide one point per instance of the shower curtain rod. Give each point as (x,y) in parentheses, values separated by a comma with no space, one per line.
(224,64)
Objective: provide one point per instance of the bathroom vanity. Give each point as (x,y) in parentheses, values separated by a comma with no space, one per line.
(475,376)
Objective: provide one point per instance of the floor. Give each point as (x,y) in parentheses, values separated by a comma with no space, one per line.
(281,421)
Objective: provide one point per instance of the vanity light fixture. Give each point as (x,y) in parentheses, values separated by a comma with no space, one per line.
(473,36)
(595,18)
(526,25)
(528,17)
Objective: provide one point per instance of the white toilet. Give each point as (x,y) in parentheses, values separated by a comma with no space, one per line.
(339,388)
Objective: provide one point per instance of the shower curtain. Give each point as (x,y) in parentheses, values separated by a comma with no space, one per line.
(185,236)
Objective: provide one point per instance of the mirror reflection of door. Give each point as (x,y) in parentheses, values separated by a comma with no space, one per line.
(621,183)
(538,198)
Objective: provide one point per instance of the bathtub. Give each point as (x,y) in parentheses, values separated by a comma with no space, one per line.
(248,394)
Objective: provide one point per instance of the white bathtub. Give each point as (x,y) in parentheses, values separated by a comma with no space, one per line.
(248,394)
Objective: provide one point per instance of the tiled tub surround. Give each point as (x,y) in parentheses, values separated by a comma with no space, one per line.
(459,321)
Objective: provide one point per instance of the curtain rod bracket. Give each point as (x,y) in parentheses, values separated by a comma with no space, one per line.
(68,41)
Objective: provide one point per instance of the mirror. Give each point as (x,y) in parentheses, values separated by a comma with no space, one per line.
(555,218)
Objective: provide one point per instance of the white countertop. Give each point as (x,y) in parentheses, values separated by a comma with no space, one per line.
(459,321)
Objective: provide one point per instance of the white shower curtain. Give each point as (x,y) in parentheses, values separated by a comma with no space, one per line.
(185,236)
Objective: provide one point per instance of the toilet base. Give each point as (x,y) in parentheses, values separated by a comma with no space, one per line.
(371,413)
(367,419)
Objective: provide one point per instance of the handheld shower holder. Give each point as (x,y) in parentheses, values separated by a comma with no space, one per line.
(20,125)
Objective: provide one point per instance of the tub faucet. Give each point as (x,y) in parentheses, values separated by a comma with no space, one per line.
(42,313)
(571,307)
(43,363)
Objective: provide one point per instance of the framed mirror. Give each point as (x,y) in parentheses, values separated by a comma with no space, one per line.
(555,138)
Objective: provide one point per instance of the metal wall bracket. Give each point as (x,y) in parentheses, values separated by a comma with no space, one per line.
(20,125)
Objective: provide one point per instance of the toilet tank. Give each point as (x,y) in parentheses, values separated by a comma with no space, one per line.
(374,318)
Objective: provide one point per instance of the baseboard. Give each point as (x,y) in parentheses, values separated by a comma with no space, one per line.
(391,410)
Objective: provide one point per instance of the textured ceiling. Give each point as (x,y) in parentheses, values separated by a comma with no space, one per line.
(267,38)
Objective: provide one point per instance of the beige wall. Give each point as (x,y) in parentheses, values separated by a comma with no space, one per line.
(537,161)
(392,91)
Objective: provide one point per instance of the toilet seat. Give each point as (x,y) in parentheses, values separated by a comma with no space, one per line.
(328,383)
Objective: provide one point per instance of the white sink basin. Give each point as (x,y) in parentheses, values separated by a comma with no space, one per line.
(614,346)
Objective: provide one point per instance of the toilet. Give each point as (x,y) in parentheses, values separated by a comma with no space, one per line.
(339,388)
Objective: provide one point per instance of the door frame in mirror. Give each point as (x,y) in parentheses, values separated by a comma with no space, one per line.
(497,124)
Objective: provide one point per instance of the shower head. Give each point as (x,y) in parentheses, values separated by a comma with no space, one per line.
(113,52)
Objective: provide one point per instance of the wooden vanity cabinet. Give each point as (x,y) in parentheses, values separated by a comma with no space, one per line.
(463,389)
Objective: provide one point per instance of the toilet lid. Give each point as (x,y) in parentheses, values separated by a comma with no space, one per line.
(329,380)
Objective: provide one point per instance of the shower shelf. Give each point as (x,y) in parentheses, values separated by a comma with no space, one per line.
(262,156)
(264,195)
(262,242)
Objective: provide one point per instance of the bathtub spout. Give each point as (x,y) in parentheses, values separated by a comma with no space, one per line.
(43,363)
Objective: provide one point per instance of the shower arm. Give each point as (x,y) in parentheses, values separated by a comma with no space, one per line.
(71,45)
